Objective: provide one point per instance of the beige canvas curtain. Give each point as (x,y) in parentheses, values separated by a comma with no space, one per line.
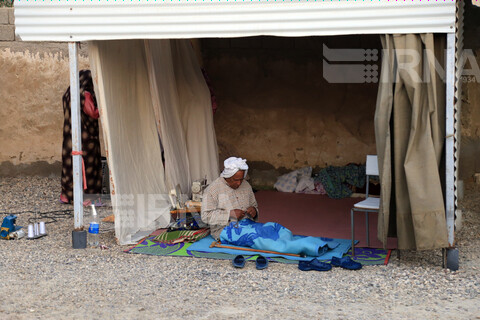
(133,149)
(409,129)
(195,107)
(165,101)
(183,110)
(152,91)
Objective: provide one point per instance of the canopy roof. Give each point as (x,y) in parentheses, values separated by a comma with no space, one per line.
(72,20)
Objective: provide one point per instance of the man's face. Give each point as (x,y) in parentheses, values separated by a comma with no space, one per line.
(236,180)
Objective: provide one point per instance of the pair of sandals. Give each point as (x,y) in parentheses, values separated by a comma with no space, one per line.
(315,264)
(261,262)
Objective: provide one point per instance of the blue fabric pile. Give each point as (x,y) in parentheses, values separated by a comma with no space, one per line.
(272,236)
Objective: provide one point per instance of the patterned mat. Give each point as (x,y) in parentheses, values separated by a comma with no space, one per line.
(366,256)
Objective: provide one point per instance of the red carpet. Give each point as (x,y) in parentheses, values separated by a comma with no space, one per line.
(318,215)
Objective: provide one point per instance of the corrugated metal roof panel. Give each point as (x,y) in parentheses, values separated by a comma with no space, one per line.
(68,20)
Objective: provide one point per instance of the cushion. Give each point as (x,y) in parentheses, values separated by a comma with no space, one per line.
(287,182)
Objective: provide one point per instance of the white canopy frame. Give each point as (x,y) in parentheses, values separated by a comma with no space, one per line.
(66,20)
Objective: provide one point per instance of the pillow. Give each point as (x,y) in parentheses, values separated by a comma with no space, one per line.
(287,182)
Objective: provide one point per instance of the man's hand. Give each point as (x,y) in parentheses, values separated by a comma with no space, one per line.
(237,214)
(252,212)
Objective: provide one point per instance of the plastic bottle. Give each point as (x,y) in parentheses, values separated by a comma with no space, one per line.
(93,229)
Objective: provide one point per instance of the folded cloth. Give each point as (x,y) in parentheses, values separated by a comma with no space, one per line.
(305,184)
(314,265)
(178,236)
(346,263)
(289,182)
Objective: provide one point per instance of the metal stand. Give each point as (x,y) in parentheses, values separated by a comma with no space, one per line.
(79,239)
(452,258)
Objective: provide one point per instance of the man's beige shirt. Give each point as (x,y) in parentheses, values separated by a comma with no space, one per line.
(219,199)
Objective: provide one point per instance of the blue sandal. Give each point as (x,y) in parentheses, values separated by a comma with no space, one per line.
(239,261)
(346,263)
(314,265)
(261,262)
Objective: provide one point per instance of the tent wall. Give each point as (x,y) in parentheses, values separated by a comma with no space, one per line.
(145,86)
(65,20)
(290,115)
(139,193)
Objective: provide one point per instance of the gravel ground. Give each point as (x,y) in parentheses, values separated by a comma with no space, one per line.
(47,279)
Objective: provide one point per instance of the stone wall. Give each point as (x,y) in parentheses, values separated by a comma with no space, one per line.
(7,24)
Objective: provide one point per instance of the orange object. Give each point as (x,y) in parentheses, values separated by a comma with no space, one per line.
(189,210)
(110,218)
(80,153)
(218,244)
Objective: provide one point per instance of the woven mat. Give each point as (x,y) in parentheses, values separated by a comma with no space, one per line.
(366,256)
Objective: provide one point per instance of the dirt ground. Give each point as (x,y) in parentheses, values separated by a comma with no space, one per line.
(47,279)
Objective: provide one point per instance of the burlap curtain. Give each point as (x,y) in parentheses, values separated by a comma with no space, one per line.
(410,129)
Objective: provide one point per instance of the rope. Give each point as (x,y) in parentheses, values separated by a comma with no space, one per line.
(80,153)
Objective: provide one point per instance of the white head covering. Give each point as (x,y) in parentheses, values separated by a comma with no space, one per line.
(233,165)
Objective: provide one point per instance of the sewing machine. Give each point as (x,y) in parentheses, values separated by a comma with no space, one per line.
(186,215)
(197,189)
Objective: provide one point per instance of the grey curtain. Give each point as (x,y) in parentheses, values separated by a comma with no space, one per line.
(410,130)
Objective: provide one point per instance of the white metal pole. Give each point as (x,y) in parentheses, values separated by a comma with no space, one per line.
(76,135)
(449,140)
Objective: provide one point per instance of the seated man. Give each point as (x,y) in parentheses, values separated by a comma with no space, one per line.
(230,209)
(229,197)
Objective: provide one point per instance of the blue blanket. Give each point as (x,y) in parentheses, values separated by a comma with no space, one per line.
(203,245)
(272,236)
